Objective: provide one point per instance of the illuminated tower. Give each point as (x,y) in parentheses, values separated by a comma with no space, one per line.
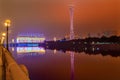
(71,8)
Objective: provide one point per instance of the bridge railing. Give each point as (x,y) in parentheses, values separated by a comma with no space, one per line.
(12,70)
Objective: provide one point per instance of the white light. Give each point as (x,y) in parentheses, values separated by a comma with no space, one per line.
(30,49)
(30,40)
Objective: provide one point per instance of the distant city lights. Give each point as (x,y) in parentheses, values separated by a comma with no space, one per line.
(30,49)
(30,40)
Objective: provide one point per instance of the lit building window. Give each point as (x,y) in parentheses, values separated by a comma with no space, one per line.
(30,39)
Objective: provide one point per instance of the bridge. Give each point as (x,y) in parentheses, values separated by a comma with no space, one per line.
(9,68)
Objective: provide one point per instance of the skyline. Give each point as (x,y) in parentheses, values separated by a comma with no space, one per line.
(51,17)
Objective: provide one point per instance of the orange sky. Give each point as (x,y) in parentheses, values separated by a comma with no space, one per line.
(51,17)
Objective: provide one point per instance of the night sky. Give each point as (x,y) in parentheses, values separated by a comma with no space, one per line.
(51,17)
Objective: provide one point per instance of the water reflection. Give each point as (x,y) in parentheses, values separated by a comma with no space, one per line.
(28,51)
(87,50)
(90,51)
(55,51)
(56,65)
(72,65)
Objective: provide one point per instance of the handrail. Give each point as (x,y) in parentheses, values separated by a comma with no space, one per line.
(3,64)
(13,70)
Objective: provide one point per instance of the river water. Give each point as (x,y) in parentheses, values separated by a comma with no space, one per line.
(58,65)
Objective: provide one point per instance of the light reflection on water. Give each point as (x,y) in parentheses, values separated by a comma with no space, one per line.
(56,65)
(30,49)
(72,65)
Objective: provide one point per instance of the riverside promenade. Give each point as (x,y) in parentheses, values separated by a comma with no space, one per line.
(9,68)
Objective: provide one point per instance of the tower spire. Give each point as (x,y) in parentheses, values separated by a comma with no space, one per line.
(71,8)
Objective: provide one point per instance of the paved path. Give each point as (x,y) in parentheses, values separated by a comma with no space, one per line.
(13,70)
(1,65)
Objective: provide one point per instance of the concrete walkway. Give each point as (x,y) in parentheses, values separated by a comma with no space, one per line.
(13,70)
(1,65)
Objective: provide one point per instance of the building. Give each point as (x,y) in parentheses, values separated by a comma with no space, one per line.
(30,38)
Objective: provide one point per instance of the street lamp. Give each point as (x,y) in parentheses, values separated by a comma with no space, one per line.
(3,34)
(7,25)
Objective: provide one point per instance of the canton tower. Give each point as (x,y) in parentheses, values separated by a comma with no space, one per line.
(71,8)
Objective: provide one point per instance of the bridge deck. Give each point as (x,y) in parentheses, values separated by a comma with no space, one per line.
(12,70)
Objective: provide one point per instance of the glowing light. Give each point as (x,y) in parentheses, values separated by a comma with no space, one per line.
(30,40)
(7,23)
(13,49)
(55,39)
(3,34)
(85,48)
(13,40)
(93,49)
(30,49)
(2,40)
(55,51)
(93,42)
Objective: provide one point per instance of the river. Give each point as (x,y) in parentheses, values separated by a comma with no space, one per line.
(48,64)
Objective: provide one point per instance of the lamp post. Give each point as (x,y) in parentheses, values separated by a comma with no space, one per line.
(7,25)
